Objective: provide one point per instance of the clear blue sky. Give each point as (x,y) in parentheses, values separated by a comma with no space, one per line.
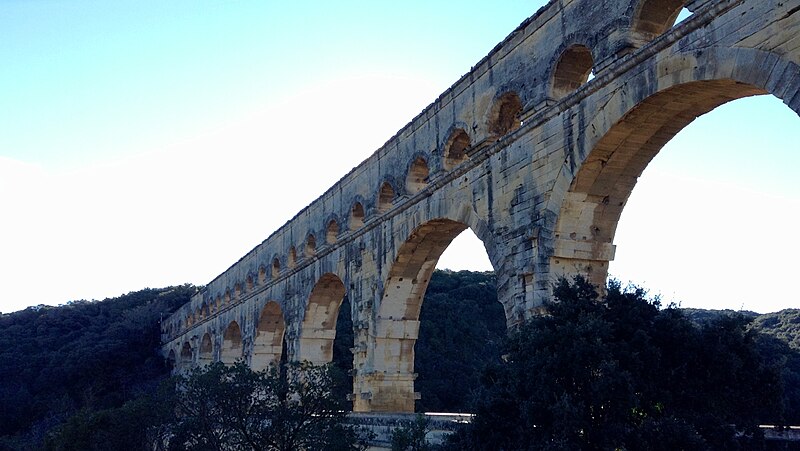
(150,143)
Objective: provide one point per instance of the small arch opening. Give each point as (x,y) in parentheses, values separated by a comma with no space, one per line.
(356,216)
(292,257)
(417,178)
(227,297)
(237,291)
(506,113)
(456,149)
(572,71)
(276,268)
(249,283)
(262,275)
(332,232)
(311,246)
(385,197)
(654,17)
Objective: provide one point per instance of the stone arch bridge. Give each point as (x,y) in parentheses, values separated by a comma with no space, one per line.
(528,150)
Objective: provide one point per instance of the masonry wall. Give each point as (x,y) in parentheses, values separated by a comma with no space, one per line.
(522,150)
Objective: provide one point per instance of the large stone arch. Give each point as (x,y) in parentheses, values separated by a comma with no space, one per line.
(390,384)
(231,349)
(319,322)
(206,352)
(591,193)
(186,356)
(451,204)
(268,343)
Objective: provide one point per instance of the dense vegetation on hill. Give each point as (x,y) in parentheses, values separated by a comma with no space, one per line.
(463,325)
(461,328)
(779,342)
(57,361)
(60,364)
(619,372)
(783,325)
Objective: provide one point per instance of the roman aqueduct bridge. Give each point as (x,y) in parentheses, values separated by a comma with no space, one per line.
(525,150)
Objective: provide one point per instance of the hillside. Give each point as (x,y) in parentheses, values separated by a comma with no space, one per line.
(783,325)
(55,361)
(91,355)
(461,328)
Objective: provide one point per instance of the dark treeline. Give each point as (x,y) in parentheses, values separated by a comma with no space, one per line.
(463,326)
(461,329)
(84,356)
(621,371)
(58,363)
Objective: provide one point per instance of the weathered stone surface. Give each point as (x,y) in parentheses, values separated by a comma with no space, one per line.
(522,150)
(383,425)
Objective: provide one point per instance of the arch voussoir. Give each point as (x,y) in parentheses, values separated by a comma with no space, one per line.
(688,85)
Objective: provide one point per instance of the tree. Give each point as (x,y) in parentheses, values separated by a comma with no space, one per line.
(279,409)
(619,372)
(79,358)
(413,436)
(138,425)
(461,327)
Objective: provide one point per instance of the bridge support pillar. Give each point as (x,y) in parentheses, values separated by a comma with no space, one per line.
(317,347)
(587,258)
(595,271)
(380,392)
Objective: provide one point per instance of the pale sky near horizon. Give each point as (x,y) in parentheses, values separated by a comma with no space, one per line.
(147,143)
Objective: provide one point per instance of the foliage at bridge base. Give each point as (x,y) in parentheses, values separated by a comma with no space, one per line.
(284,408)
(219,407)
(619,372)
